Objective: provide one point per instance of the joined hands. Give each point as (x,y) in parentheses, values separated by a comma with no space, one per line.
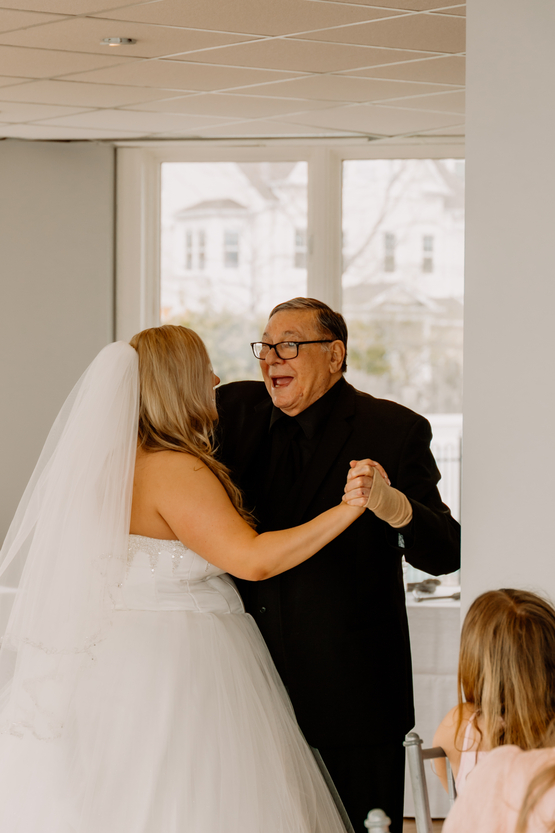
(371,490)
(359,481)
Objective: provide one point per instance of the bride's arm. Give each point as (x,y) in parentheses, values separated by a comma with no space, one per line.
(194,504)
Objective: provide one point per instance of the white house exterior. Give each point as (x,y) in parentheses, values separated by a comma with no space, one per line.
(243,251)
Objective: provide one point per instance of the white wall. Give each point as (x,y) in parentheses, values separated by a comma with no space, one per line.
(56,289)
(509,400)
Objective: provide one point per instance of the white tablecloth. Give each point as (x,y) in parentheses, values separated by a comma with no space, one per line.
(434,634)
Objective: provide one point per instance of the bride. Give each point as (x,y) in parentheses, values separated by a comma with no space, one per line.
(139,696)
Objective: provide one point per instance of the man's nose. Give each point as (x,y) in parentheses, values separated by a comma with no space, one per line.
(272,357)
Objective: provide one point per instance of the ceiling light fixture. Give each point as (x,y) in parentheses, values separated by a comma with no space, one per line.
(117,41)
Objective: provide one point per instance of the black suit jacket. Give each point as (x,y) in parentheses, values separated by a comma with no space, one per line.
(336,625)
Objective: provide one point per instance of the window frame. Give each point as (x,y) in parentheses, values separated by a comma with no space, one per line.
(138,192)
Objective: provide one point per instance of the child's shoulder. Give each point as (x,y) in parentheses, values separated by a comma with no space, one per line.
(466,711)
(453,726)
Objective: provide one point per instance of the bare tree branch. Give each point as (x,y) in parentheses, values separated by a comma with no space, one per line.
(387,205)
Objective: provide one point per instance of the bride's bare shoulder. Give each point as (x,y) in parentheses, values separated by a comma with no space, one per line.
(167,464)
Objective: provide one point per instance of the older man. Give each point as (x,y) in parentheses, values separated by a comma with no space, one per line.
(336,625)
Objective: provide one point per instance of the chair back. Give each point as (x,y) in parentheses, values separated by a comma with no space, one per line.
(416,756)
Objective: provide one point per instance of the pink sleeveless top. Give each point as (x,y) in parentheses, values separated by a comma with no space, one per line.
(493,797)
(469,757)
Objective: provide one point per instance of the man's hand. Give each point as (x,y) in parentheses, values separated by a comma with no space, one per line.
(359,481)
(374,491)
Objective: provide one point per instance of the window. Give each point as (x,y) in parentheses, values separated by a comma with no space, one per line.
(405,333)
(201,249)
(231,249)
(188,249)
(389,252)
(300,248)
(428,253)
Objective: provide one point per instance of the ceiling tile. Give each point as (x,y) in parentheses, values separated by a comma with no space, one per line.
(406,5)
(84,34)
(39,131)
(177,75)
(376,120)
(82,95)
(456,130)
(451,102)
(45,63)
(234,106)
(342,88)
(442,70)
(14,111)
(196,124)
(304,56)
(429,32)
(190,123)
(131,120)
(265,128)
(255,17)
(458,10)
(12,19)
(7,81)
(70,6)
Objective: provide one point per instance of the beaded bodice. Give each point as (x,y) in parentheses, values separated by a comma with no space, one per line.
(166,575)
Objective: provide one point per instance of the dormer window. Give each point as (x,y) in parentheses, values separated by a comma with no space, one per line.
(231,249)
(428,253)
(390,242)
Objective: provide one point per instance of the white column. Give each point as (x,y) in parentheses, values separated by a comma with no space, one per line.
(324,226)
(509,400)
(137,242)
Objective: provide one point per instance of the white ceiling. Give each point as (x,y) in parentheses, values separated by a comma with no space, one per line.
(231,68)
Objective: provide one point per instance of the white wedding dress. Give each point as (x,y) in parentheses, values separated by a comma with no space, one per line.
(178,723)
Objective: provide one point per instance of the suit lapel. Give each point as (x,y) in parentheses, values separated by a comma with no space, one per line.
(337,431)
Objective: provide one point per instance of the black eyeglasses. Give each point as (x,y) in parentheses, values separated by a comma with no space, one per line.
(287,349)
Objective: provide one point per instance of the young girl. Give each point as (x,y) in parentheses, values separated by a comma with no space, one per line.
(506,680)
(513,791)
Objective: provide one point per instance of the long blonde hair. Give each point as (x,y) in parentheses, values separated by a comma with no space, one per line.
(507,667)
(177,408)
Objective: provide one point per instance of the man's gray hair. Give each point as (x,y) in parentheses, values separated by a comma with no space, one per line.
(330,324)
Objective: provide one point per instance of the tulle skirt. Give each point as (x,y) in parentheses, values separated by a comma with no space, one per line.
(180,724)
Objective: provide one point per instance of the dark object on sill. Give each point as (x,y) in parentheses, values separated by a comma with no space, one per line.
(425,597)
(429,585)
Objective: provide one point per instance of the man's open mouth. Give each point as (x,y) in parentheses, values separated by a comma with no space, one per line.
(281,381)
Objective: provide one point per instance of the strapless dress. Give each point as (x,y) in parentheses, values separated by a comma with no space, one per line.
(180,723)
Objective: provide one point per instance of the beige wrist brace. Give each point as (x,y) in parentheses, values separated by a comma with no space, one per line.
(388,504)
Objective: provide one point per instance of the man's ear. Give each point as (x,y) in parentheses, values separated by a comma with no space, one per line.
(337,356)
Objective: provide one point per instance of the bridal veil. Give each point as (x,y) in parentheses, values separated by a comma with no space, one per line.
(66,547)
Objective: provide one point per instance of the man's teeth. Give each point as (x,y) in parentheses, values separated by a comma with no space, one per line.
(280,381)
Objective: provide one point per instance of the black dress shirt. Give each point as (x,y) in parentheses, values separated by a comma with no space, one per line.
(288,449)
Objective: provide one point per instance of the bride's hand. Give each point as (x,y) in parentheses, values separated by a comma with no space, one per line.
(359,481)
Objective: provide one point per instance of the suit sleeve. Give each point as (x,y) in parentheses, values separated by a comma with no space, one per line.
(432,539)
